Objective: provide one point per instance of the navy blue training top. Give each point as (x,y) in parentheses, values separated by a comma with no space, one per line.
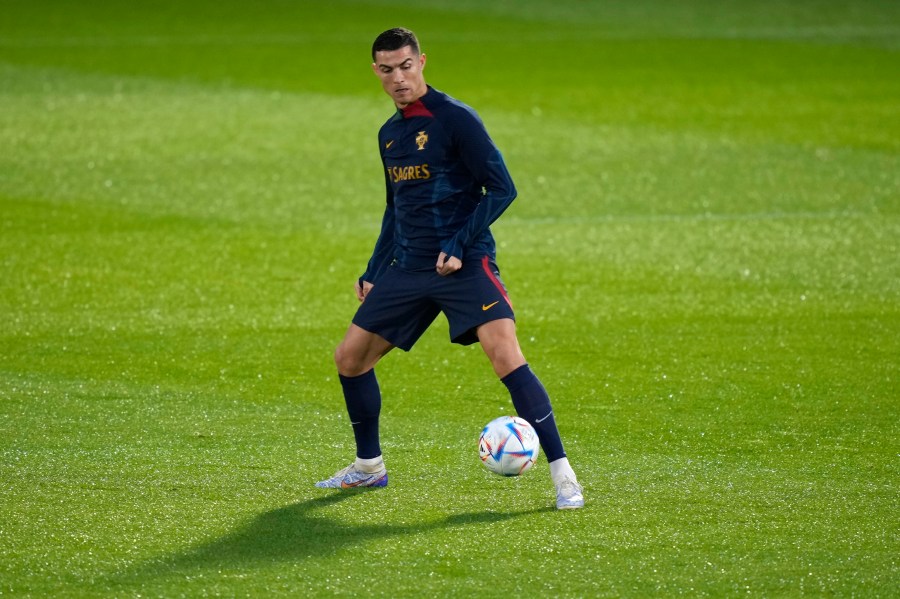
(446,183)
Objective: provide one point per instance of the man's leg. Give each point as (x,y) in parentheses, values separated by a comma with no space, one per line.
(355,359)
(531,401)
(499,341)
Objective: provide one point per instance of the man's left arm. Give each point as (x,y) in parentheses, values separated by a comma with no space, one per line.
(486,164)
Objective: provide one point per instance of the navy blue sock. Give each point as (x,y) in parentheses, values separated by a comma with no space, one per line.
(533,404)
(363,398)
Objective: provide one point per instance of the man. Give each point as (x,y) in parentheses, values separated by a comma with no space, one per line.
(446,183)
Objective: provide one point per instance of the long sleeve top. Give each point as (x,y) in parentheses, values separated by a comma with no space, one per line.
(446,183)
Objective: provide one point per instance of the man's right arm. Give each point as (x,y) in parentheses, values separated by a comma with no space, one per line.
(383,254)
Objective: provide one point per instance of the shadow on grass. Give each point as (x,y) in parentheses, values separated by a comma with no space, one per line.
(295,532)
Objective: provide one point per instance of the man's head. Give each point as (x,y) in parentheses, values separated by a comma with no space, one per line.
(394,39)
(398,62)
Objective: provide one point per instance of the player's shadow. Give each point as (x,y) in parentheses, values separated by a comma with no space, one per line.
(296,532)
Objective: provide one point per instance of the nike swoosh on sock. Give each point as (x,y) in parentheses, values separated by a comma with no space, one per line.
(540,420)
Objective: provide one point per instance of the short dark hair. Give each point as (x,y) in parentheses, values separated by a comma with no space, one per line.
(394,39)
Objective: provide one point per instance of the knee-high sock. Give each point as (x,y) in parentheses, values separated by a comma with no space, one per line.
(533,404)
(363,398)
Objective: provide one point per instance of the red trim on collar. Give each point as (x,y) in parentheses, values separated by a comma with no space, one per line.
(415,109)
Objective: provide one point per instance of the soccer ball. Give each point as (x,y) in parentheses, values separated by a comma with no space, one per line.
(508,446)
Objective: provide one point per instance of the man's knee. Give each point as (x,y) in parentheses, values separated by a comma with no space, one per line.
(499,342)
(348,361)
(340,357)
(359,352)
(506,360)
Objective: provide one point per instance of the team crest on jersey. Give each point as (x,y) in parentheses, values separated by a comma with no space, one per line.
(421,140)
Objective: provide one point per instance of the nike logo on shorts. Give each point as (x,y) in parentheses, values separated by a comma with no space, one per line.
(487,307)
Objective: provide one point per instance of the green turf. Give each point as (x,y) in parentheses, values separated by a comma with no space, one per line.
(703,259)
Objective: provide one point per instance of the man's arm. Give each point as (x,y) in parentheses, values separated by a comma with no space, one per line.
(486,164)
(383,254)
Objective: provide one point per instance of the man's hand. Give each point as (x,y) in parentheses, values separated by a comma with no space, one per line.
(447,265)
(362,290)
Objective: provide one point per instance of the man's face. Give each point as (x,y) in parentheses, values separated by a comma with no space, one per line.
(401,75)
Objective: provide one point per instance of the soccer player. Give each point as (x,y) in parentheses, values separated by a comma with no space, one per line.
(446,183)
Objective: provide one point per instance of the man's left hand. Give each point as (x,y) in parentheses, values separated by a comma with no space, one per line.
(447,265)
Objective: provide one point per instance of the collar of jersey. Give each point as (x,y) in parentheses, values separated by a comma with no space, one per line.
(417,108)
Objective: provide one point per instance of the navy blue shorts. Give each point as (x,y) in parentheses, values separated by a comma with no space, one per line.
(403,303)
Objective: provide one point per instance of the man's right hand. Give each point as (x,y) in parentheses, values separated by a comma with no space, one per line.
(362,289)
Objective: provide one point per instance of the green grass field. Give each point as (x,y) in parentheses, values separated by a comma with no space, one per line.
(703,258)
